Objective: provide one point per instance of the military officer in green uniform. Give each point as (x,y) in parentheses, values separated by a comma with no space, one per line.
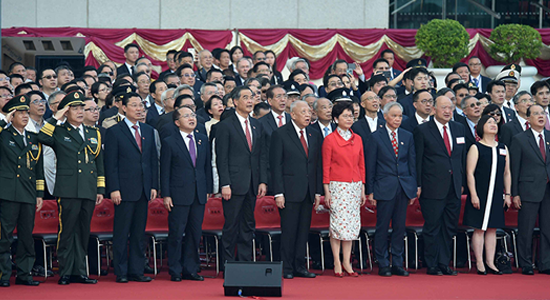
(22,189)
(79,183)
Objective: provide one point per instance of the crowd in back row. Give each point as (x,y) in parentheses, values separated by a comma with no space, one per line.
(228,124)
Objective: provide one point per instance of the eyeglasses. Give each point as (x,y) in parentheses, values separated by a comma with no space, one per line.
(495,113)
(525,101)
(193,75)
(347,116)
(475,104)
(109,73)
(54,103)
(426,102)
(388,96)
(8,96)
(95,109)
(38,101)
(140,105)
(538,113)
(4,79)
(187,116)
(372,98)
(281,96)
(50,77)
(169,59)
(336,84)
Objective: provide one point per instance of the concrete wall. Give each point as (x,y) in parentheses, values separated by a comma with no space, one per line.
(196,14)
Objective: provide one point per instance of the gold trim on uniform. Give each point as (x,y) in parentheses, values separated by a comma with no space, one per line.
(48,129)
(60,223)
(40,185)
(100,181)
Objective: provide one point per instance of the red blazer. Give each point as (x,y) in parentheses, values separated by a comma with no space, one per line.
(343,160)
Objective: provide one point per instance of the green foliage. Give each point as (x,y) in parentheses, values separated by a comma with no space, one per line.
(513,42)
(445,41)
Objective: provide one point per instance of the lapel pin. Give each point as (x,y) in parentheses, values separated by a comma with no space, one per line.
(310,134)
(69,129)
(254,127)
(402,143)
(200,142)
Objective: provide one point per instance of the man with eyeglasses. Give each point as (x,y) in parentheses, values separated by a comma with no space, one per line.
(171,62)
(497,90)
(188,76)
(205,64)
(131,172)
(461,91)
(168,128)
(5,96)
(207,90)
(522,101)
(420,78)
(377,82)
(37,108)
(541,94)
(91,112)
(423,102)
(4,79)
(472,112)
(475,74)
(48,82)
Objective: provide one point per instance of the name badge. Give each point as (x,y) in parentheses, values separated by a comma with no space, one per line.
(502,152)
(67,139)
(460,140)
(93,141)
(34,147)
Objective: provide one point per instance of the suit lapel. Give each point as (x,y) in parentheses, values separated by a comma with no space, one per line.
(387,142)
(294,137)
(181,143)
(240,131)
(17,138)
(272,122)
(437,135)
(129,135)
(533,142)
(517,124)
(74,133)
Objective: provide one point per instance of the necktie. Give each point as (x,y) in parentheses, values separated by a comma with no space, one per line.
(248,135)
(509,104)
(326,131)
(476,81)
(192,151)
(394,143)
(541,146)
(527,125)
(446,140)
(137,136)
(80,133)
(303,141)
(280,121)
(547,125)
(478,138)
(424,121)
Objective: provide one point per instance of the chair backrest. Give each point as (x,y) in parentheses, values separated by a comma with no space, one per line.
(462,206)
(213,215)
(103,217)
(46,221)
(320,220)
(511,217)
(157,216)
(266,213)
(414,215)
(368,216)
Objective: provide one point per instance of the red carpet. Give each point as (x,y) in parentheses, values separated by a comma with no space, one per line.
(417,286)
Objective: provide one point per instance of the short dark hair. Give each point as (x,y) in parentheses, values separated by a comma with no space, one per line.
(493,83)
(218,54)
(528,114)
(183,54)
(173,51)
(416,71)
(269,94)
(480,96)
(136,76)
(338,61)
(387,51)
(100,69)
(448,75)
(167,76)
(88,68)
(182,67)
(13,65)
(481,123)
(96,86)
(259,106)
(153,86)
(131,45)
(180,98)
(460,65)
(490,108)
(212,70)
(208,103)
(260,63)
(62,66)
(460,86)
(12,76)
(416,94)
(229,78)
(20,87)
(296,73)
(238,90)
(126,99)
(38,93)
(385,89)
(379,60)
(537,85)
(177,114)
(326,79)
(8,89)
(341,106)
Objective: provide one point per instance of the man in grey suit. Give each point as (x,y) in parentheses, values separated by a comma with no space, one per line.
(530,189)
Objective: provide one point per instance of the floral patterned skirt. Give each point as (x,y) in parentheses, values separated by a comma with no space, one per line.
(345,219)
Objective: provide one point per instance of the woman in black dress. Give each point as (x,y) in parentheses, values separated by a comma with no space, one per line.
(488,175)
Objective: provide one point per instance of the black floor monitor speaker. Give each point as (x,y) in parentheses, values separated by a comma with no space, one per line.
(253,279)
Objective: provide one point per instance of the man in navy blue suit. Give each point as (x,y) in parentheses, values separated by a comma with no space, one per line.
(423,102)
(420,78)
(131,169)
(497,91)
(156,109)
(391,185)
(186,181)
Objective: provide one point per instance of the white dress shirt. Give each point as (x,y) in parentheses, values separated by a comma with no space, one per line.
(521,121)
(329,131)
(243,125)
(187,140)
(132,130)
(391,137)
(440,128)
(80,130)
(537,137)
(276,116)
(130,68)
(373,123)
(298,132)
(419,119)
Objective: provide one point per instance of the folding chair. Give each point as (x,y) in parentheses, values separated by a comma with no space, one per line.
(268,220)
(212,226)
(101,230)
(157,228)
(46,223)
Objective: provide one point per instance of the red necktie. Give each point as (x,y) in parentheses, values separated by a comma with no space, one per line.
(280,121)
(138,137)
(477,136)
(248,135)
(303,141)
(394,144)
(527,125)
(446,140)
(541,146)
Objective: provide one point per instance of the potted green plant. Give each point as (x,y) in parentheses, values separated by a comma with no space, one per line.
(445,41)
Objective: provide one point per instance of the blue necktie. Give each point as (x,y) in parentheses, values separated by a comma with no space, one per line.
(326,131)
(476,81)
(192,151)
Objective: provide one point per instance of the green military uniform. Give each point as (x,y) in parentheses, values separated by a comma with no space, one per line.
(111,121)
(79,179)
(21,182)
(118,93)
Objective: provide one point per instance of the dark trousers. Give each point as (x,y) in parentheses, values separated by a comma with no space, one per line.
(440,225)
(75,216)
(129,225)
(394,211)
(239,226)
(20,215)
(527,218)
(185,219)
(295,222)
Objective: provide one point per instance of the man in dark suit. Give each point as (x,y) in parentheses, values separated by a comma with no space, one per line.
(389,56)
(131,53)
(22,185)
(79,183)
(421,79)
(131,168)
(186,181)
(475,74)
(391,185)
(168,129)
(170,61)
(472,111)
(440,157)
(531,190)
(423,102)
(242,168)
(297,151)
(497,91)
(208,90)
(156,109)
(323,109)
(522,101)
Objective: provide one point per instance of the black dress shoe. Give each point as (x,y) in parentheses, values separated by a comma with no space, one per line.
(148,270)
(386,272)
(122,279)
(82,279)
(175,278)
(494,272)
(64,280)
(482,273)
(445,270)
(304,274)
(527,271)
(288,276)
(399,271)
(193,276)
(547,272)
(139,278)
(434,271)
(4,283)
(29,282)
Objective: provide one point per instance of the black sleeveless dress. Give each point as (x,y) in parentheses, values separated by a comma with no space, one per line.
(489,176)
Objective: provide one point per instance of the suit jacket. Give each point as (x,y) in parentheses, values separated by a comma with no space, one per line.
(483,84)
(395,73)
(408,107)
(410,124)
(179,178)
(239,167)
(509,114)
(530,172)
(162,74)
(152,116)
(385,172)
(293,172)
(79,172)
(435,169)
(127,169)
(123,69)
(316,126)
(470,137)
(22,175)
(509,130)
(269,125)
(171,128)
(363,129)
(202,113)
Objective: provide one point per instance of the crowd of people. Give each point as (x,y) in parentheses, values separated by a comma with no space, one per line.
(226,124)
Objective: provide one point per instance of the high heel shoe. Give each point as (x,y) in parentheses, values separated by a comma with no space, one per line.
(494,272)
(482,273)
(352,274)
(339,275)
